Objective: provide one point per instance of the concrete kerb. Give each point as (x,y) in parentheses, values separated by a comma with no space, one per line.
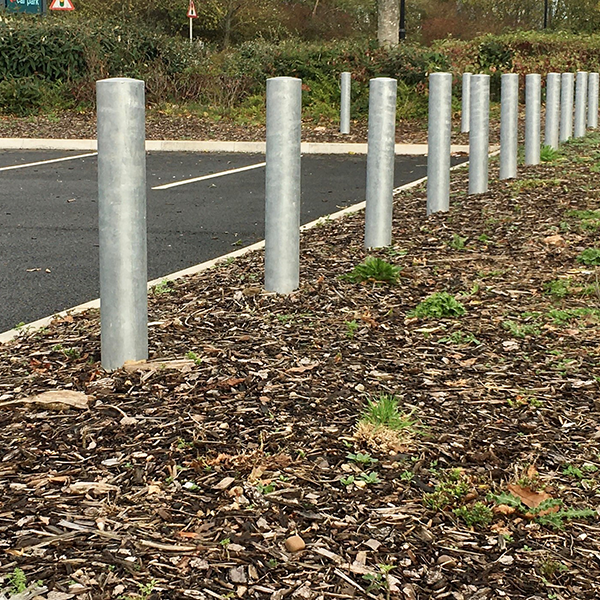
(215,146)
(10,335)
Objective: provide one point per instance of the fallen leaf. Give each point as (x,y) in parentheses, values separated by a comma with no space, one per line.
(527,496)
(504,509)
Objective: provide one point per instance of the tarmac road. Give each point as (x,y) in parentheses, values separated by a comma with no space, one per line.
(49,233)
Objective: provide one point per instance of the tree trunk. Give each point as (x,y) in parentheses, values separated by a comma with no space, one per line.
(388,22)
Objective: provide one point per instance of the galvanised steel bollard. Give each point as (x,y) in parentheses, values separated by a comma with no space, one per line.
(509,122)
(552,110)
(592,115)
(122,221)
(438,142)
(533,95)
(345,81)
(380,162)
(567,82)
(282,185)
(466,102)
(581,87)
(479,134)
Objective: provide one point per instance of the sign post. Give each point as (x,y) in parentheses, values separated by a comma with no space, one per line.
(191,13)
(62,5)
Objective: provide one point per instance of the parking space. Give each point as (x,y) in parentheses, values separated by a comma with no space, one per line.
(49,237)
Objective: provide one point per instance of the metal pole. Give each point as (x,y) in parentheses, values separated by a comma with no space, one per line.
(380,162)
(282,188)
(479,134)
(592,116)
(509,121)
(191,29)
(466,102)
(122,221)
(438,142)
(581,86)
(552,110)
(533,96)
(346,79)
(402,34)
(567,81)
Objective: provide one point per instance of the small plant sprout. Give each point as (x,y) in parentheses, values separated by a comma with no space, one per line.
(351,327)
(164,287)
(379,581)
(224,543)
(17,581)
(193,356)
(457,242)
(548,153)
(438,306)
(361,459)
(373,270)
(369,478)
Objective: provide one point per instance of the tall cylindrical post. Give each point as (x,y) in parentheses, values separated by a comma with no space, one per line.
(552,110)
(533,95)
(479,134)
(438,142)
(567,82)
(466,102)
(345,81)
(282,185)
(581,88)
(509,122)
(122,221)
(380,162)
(592,115)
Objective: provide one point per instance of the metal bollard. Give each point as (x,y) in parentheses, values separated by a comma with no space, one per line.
(592,115)
(282,185)
(380,162)
(345,81)
(581,86)
(122,221)
(438,142)
(479,134)
(466,102)
(567,82)
(509,122)
(533,95)
(552,110)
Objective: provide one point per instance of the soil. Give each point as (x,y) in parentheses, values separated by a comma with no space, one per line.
(75,125)
(194,475)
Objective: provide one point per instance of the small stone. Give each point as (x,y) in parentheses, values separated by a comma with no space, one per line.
(295,544)
(446,562)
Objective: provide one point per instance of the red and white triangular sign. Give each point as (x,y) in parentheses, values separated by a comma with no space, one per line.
(61,5)
(191,10)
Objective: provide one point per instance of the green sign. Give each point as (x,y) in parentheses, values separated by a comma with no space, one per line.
(32,7)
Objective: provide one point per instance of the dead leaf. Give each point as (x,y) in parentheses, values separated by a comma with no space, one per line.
(527,496)
(96,487)
(555,240)
(58,400)
(504,509)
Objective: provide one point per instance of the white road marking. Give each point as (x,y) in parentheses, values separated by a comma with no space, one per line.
(47,162)
(166,186)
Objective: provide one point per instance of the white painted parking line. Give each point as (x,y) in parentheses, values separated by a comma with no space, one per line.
(166,186)
(47,162)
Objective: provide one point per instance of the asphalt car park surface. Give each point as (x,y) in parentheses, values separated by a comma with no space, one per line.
(49,215)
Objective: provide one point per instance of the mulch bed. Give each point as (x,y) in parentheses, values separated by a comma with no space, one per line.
(185,480)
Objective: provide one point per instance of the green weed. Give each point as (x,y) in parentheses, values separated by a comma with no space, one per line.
(351,327)
(438,305)
(460,338)
(477,514)
(521,331)
(193,356)
(457,242)
(452,487)
(548,153)
(164,287)
(590,257)
(17,581)
(374,270)
(378,581)
(384,412)
(558,288)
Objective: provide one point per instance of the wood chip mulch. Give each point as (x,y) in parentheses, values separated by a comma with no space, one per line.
(230,465)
